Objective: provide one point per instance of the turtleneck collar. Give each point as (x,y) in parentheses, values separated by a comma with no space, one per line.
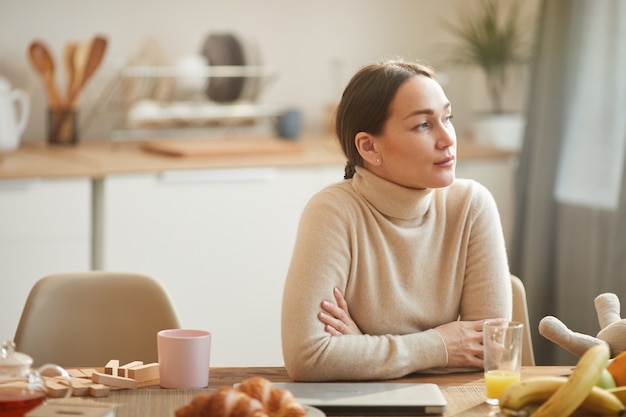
(391,199)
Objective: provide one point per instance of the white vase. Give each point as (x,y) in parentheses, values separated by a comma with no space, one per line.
(503,130)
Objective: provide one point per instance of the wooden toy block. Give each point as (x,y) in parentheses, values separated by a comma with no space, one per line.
(111,367)
(88,372)
(114,381)
(76,373)
(99,390)
(80,387)
(145,372)
(123,370)
(54,388)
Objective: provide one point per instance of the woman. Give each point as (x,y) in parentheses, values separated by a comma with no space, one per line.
(394,269)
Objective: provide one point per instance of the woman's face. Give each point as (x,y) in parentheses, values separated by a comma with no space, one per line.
(417,148)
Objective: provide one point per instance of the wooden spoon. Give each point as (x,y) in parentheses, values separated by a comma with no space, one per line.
(68,58)
(81,54)
(90,58)
(42,60)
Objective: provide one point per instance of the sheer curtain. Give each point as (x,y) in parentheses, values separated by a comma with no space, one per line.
(569,241)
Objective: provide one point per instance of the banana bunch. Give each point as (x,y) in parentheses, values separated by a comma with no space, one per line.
(577,395)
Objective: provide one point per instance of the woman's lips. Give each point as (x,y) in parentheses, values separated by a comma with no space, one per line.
(446,162)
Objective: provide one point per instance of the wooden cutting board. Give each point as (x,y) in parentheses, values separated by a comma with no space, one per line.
(222,147)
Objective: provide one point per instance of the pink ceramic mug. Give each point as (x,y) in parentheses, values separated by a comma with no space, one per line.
(184,357)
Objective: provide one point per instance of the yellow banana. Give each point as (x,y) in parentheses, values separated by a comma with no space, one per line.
(526,411)
(530,391)
(573,392)
(529,394)
(619,392)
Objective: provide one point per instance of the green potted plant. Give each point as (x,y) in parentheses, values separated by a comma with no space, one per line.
(494,40)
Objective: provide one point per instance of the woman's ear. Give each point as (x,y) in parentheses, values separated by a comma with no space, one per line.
(366,145)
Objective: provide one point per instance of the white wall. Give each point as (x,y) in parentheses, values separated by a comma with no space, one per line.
(315,45)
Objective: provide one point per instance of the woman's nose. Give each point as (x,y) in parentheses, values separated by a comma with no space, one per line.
(446,136)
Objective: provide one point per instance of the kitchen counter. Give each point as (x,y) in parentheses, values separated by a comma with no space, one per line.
(96,159)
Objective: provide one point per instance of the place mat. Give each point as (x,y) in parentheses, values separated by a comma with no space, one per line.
(466,400)
(222,147)
(153,402)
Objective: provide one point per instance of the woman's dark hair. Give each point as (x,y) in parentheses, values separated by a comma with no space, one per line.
(364,105)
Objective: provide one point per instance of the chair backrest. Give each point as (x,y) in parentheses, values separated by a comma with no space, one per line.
(520,314)
(88,318)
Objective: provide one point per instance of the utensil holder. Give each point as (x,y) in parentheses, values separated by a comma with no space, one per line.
(62,126)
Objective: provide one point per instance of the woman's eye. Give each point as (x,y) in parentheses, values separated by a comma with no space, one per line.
(422,126)
(448,118)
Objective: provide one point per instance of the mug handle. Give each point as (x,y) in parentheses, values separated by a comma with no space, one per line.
(24,100)
(61,371)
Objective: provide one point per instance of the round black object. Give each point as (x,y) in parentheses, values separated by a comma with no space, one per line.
(224,49)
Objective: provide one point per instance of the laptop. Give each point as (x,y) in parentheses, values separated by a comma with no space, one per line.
(369,398)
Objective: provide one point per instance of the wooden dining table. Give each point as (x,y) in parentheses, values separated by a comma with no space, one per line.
(464,391)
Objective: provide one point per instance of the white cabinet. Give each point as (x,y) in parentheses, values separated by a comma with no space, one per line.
(45,227)
(220,240)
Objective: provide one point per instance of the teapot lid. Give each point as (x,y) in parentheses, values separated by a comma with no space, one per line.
(9,357)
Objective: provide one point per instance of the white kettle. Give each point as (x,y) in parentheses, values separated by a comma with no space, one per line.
(12,126)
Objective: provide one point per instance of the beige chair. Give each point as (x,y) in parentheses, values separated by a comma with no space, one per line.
(88,318)
(520,314)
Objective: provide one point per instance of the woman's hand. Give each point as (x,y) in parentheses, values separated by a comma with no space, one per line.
(464,343)
(336,318)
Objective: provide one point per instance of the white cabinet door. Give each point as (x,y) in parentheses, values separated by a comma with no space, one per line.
(219,240)
(45,228)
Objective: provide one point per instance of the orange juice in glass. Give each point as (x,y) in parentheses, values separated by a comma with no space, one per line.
(497,381)
(502,343)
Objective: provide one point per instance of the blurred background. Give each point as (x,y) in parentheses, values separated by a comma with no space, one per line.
(312,48)
(568,240)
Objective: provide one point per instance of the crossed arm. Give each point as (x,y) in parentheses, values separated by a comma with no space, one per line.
(463,339)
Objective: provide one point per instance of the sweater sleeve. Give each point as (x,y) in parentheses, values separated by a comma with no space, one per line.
(321,261)
(487,274)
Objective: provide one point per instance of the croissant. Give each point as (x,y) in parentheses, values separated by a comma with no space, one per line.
(276,402)
(225,402)
(254,397)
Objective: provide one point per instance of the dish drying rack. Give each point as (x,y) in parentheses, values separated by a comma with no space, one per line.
(147,102)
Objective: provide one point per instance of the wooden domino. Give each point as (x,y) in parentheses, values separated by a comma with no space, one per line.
(99,390)
(55,388)
(76,373)
(80,387)
(111,367)
(114,381)
(87,372)
(123,370)
(144,373)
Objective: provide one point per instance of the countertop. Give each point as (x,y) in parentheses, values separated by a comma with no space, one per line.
(98,158)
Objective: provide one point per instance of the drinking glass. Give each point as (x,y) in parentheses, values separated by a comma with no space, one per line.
(502,343)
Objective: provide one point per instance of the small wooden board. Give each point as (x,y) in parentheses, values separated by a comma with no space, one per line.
(114,381)
(123,370)
(111,367)
(222,147)
(144,373)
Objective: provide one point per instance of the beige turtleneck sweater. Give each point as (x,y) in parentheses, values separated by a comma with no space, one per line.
(406,261)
